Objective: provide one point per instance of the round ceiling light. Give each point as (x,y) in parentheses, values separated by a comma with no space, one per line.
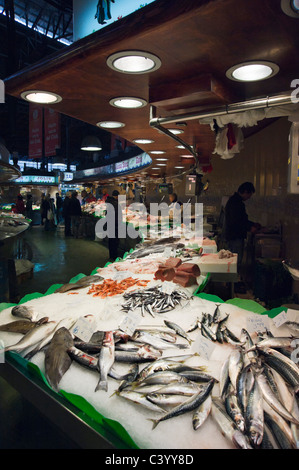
(128,102)
(40,97)
(157,152)
(161,159)
(290,8)
(179,167)
(161,164)
(110,124)
(143,141)
(252,71)
(134,62)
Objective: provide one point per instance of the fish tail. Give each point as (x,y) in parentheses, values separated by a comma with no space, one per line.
(102,385)
(155,422)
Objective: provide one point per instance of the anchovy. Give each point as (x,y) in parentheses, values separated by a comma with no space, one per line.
(106,360)
(22,311)
(178,330)
(57,360)
(201,414)
(227,426)
(189,405)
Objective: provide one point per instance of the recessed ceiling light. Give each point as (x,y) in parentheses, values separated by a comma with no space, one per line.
(155,168)
(186,156)
(290,8)
(161,159)
(180,147)
(179,167)
(128,102)
(176,131)
(134,62)
(157,152)
(161,164)
(42,97)
(110,124)
(252,71)
(143,141)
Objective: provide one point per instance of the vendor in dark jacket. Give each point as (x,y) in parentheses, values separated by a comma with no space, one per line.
(74,209)
(236,222)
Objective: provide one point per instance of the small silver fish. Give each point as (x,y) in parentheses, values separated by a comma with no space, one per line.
(178,330)
(201,414)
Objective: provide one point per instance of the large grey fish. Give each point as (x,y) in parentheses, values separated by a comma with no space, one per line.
(83,282)
(57,360)
(106,360)
(22,326)
(254,415)
(272,399)
(22,311)
(227,426)
(189,405)
(178,330)
(201,414)
(33,337)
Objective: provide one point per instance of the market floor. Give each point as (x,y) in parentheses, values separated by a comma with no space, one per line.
(56,260)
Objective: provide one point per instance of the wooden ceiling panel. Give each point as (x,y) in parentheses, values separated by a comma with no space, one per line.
(196,41)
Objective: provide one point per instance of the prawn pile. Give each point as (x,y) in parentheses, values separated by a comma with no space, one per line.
(109,287)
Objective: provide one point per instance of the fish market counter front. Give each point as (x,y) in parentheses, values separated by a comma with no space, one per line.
(127,359)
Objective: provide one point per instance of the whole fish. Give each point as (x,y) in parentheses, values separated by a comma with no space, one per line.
(294,427)
(22,326)
(235,365)
(57,360)
(22,311)
(283,365)
(159,365)
(248,345)
(194,326)
(182,388)
(276,342)
(140,400)
(233,408)
(106,360)
(144,354)
(33,337)
(216,314)
(254,415)
(244,386)
(178,330)
(163,377)
(281,430)
(189,405)
(272,399)
(194,375)
(201,414)
(166,400)
(158,343)
(83,282)
(227,426)
(224,378)
(83,358)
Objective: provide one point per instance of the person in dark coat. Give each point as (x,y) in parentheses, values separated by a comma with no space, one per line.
(20,206)
(66,215)
(236,222)
(59,204)
(75,213)
(29,211)
(114,217)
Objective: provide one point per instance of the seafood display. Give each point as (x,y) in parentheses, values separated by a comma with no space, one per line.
(145,351)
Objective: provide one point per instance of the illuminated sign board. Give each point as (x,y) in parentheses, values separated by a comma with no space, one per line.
(92,15)
(36,179)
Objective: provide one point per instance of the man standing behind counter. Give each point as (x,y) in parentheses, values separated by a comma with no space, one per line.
(236,221)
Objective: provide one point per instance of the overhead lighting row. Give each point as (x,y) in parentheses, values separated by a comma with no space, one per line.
(139,62)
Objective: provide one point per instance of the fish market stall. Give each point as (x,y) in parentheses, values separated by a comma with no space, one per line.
(12,225)
(149,356)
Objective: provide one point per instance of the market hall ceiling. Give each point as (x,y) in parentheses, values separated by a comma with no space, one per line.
(197,42)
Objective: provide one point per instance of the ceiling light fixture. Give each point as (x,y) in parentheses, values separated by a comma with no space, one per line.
(161,164)
(155,168)
(41,97)
(186,156)
(135,62)
(290,8)
(179,167)
(91,143)
(176,131)
(110,124)
(128,102)
(157,152)
(252,71)
(161,159)
(143,141)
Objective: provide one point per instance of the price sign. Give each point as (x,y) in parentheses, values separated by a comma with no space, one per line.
(130,323)
(84,329)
